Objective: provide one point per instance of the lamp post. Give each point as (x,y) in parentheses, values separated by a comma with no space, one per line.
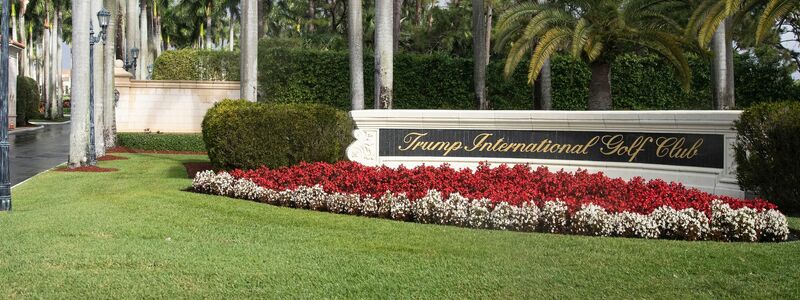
(130,64)
(102,18)
(5,171)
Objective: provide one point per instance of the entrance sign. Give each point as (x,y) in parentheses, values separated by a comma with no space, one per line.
(691,147)
(696,150)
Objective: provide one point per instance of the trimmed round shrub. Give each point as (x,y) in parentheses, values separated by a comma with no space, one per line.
(766,153)
(27,100)
(246,135)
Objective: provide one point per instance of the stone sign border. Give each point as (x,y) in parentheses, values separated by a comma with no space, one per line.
(365,148)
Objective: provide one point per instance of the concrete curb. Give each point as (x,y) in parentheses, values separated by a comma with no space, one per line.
(37,174)
(25,129)
(49,122)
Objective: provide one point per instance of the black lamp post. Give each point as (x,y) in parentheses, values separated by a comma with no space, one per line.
(102,18)
(130,61)
(5,171)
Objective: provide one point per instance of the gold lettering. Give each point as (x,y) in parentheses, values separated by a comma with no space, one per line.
(411,139)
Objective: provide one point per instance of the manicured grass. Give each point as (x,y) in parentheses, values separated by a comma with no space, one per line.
(135,234)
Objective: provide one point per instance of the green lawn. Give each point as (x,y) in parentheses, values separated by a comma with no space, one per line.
(135,234)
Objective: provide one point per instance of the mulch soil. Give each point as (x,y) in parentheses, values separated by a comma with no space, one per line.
(192,168)
(129,150)
(110,157)
(91,169)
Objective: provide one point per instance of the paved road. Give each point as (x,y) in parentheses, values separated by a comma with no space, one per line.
(35,151)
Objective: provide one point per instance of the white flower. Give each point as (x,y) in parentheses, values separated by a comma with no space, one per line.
(592,220)
(554,216)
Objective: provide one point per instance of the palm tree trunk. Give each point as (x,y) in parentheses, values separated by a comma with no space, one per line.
(542,89)
(109,57)
(249,50)
(53,68)
(730,92)
(311,12)
(600,86)
(478,57)
(132,34)
(144,48)
(230,30)
(79,134)
(355,41)
(46,67)
(418,12)
(98,74)
(384,54)
(397,10)
(488,35)
(23,36)
(59,60)
(208,29)
(719,69)
(159,42)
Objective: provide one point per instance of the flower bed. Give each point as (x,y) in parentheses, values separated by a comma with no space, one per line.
(512,198)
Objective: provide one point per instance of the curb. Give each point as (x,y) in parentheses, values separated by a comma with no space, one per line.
(25,129)
(37,174)
(49,122)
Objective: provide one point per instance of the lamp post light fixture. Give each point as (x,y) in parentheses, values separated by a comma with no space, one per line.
(130,61)
(102,18)
(5,171)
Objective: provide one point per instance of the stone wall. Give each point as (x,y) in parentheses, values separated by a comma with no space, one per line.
(165,105)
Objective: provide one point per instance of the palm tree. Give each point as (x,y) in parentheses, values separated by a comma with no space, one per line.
(773,11)
(594,30)
(79,129)
(384,54)
(710,23)
(355,41)
(249,50)
(109,57)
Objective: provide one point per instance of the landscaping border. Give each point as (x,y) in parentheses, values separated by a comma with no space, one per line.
(725,224)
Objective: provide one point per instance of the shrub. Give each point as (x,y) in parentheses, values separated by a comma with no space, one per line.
(193,64)
(161,141)
(766,149)
(241,134)
(27,100)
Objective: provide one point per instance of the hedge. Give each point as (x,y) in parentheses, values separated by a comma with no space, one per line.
(291,74)
(161,141)
(766,153)
(247,135)
(194,64)
(27,100)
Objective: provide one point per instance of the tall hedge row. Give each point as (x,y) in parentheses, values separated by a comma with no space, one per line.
(290,74)
(194,64)
(27,100)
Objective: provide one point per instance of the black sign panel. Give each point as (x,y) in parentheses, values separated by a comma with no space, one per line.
(696,150)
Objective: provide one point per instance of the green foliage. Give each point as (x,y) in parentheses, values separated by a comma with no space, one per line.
(161,141)
(192,64)
(241,134)
(27,100)
(766,152)
(290,72)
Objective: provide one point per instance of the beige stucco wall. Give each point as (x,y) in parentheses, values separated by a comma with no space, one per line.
(167,106)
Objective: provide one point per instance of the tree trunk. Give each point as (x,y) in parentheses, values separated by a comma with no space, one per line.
(600,86)
(230,31)
(144,48)
(59,59)
(355,43)
(45,65)
(109,58)
(478,55)
(384,54)
(54,68)
(543,88)
(159,42)
(418,12)
(262,19)
(488,35)
(730,90)
(98,74)
(397,10)
(311,13)
(719,71)
(79,131)
(23,37)
(208,28)
(249,50)
(132,34)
